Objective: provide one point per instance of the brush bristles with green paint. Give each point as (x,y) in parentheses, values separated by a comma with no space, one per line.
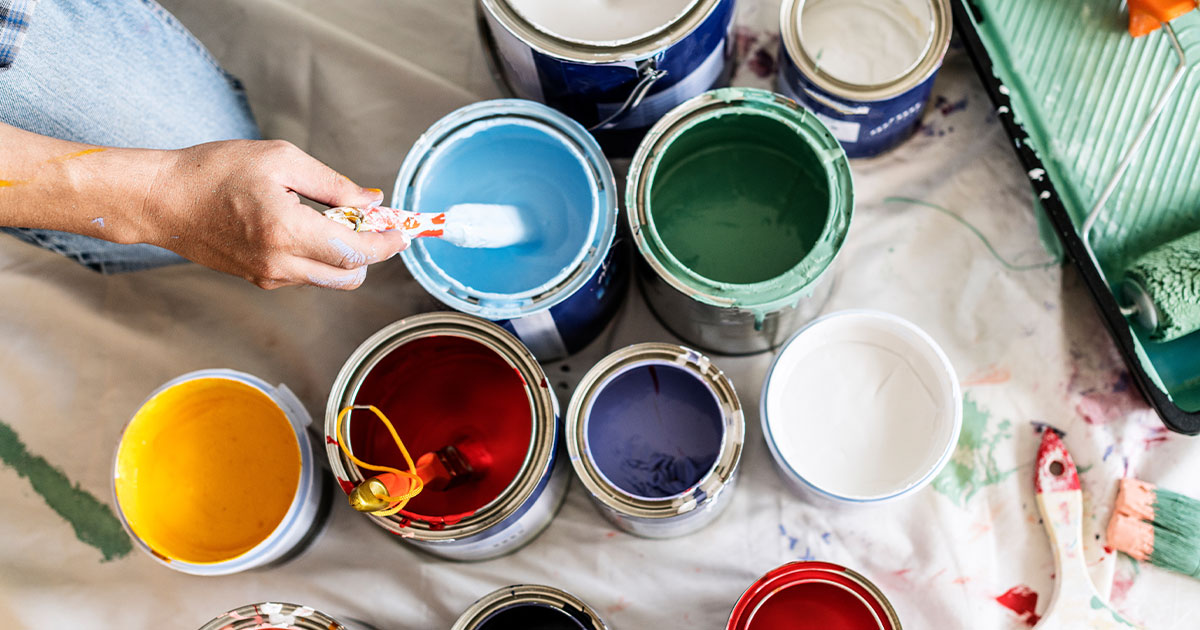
(1158,526)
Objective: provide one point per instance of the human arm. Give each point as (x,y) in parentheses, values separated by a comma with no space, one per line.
(233,205)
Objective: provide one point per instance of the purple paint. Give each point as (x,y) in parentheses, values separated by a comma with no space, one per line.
(654,430)
(532,617)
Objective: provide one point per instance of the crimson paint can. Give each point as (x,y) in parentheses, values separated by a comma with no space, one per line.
(813,596)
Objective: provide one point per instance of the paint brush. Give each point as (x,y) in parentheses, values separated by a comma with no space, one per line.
(1076,603)
(449,467)
(1157,526)
(474,225)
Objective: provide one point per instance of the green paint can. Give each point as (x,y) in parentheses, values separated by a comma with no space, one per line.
(739,201)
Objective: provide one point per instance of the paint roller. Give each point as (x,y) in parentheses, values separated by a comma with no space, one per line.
(465,461)
(1161,288)
(474,225)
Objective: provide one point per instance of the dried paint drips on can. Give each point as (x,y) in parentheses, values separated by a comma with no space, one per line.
(280,615)
(655,433)
(442,378)
(813,596)
(865,67)
(739,201)
(529,607)
(193,453)
(861,407)
(615,66)
(557,291)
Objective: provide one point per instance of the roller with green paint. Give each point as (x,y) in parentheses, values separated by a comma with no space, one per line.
(1161,288)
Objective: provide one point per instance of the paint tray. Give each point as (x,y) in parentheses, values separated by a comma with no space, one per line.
(1072,89)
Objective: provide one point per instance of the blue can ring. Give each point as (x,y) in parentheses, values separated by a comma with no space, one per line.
(557,292)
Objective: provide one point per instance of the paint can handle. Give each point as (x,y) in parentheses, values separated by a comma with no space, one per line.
(650,74)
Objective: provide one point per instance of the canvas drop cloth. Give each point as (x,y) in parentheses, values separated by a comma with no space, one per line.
(355,82)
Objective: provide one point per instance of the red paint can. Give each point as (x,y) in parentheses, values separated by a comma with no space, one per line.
(813,596)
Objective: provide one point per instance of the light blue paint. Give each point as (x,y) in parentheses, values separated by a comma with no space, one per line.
(522,163)
(351,255)
(98,221)
(353,278)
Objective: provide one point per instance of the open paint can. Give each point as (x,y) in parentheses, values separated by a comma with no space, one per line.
(861,407)
(865,67)
(615,66)
(813,596)
(279,615)
(739,200)
(215,474)
(556,292)
(655,432)
(529,607)
(444,379)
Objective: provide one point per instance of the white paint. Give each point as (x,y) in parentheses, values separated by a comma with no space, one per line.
(866,42)
(862,405)
(486,225)
(601,21)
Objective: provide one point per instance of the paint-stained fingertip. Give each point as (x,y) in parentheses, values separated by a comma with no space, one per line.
(376,196)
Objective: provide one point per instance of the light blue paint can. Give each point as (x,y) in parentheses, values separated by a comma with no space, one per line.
(557,291)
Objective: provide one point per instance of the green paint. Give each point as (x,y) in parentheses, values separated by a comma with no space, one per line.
(93,521)
(740,199)
(1170,276)
(973,466)
(1098,604)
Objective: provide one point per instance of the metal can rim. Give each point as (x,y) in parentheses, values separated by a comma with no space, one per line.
(939,43)
(244,618)
(543,414)
(599,53)
(524,303)
(714,481)
(516,594)
(298,418)
(944,361)
(711,105)
(788,572)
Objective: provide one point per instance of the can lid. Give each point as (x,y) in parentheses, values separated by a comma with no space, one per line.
(792,14)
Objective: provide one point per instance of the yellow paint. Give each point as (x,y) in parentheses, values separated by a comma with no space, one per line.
(206,470)
(9,182)
(71,156)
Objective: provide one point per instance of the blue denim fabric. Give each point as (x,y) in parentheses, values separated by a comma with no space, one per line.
(121,73)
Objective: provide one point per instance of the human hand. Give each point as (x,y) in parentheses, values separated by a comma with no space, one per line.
(235,206)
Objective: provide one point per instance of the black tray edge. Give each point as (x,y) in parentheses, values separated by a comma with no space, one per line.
(1173,417)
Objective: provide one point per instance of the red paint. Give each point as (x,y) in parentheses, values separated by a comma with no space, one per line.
(439,219)
(1022,600)
(347,487)
(1051,452)
(330,440)
(430,233)
(439,391)
(809,596)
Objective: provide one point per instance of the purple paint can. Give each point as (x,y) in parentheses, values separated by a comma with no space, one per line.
(529,607)
(655,433)
(864,67)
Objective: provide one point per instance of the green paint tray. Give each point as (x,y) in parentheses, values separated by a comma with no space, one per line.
(1072,88)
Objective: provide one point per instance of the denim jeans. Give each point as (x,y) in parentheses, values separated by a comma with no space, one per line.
(119,73)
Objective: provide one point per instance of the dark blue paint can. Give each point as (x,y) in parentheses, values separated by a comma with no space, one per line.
(615,81)
(864,67)
(529,607)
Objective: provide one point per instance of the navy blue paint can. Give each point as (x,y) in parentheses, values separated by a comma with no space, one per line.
(529,607)
(616,67)
(864,67)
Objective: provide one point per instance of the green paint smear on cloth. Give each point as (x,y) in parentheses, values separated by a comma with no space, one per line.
(93,521)
(973,466)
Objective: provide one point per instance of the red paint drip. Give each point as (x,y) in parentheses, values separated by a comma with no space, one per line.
(347,487)
(439,219)
(1022,600)
(439,391)
(429,233)
(330,440)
